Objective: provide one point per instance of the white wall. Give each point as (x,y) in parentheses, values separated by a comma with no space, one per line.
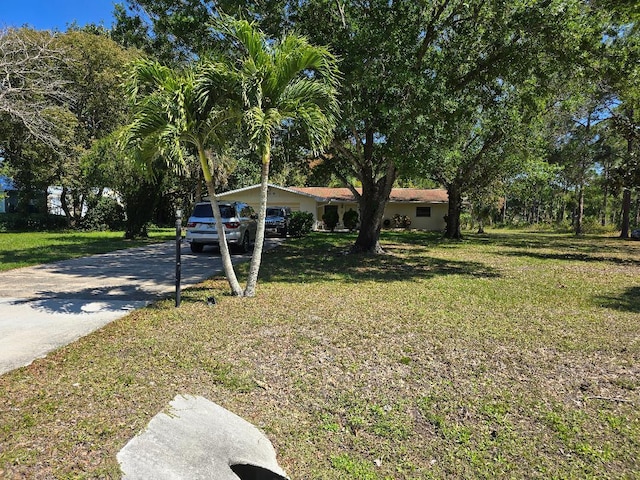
(275,198)
(433,223)
(297,202)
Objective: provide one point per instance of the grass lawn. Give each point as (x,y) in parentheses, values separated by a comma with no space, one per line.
(509,355)
(33,248)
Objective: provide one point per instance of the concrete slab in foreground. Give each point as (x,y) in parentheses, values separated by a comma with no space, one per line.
(198,439)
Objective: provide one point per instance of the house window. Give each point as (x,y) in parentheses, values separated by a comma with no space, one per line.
(423,211)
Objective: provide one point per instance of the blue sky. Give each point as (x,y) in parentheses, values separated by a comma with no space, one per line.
(55,14)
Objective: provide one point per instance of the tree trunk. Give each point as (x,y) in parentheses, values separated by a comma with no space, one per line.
(371,212)
(372,202)
(225,255)
(453,213)
(626,210)
(626,196)
(65,207)
(605,195)
(580,212)
(256,258)
(504,211)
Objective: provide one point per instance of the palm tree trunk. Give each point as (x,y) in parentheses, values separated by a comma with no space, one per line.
(225,255)
(256,258)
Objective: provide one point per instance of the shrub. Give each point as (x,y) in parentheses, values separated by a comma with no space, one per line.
(350,219)
(108,214)
(330,219)
(300,223)
(592,225)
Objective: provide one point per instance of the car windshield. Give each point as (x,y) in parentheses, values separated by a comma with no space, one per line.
(204,210)
(273,212)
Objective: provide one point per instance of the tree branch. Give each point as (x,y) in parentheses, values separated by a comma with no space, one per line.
(430,31)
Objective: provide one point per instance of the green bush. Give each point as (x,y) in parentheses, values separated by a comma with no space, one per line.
(107,214)
(300,223)
(350,219)
(330,219)
(593,225)
(466,221)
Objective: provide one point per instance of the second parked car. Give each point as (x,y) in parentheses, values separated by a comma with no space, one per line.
(277,220)
(239,222)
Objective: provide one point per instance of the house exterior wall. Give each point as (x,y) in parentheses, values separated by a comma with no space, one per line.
(300,202)
(342,208)
(275,198)
(433,223)
(8,201)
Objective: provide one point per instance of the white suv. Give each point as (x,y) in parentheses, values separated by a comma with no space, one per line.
(239,222)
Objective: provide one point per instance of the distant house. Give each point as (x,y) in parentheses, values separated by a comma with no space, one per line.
(8,195)
(424,208)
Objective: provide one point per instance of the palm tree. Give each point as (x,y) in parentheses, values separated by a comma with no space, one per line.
(274,85)
(284,84)
(175,110)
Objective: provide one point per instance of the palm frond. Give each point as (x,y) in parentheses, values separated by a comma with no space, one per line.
(297,58)
(145,76)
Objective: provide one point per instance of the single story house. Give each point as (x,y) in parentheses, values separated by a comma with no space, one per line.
(424,208)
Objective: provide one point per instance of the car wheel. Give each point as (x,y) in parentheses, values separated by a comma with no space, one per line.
(283,233)
(196,247)
(245,245)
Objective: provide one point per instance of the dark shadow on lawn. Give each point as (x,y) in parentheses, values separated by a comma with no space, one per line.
(322,256)
(318,260)
(588,244)
(628,301)
(560,247)
(573,257)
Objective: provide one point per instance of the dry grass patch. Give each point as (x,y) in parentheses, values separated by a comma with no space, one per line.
(507,355)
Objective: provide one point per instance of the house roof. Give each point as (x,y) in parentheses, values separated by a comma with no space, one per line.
(400,195)
(326,194)
(271,185)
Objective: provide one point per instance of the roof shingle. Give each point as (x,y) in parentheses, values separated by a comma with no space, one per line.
(401,195)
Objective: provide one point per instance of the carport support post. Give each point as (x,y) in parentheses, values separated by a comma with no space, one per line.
(178,259)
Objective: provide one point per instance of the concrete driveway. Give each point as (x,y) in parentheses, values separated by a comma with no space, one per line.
(47,306)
